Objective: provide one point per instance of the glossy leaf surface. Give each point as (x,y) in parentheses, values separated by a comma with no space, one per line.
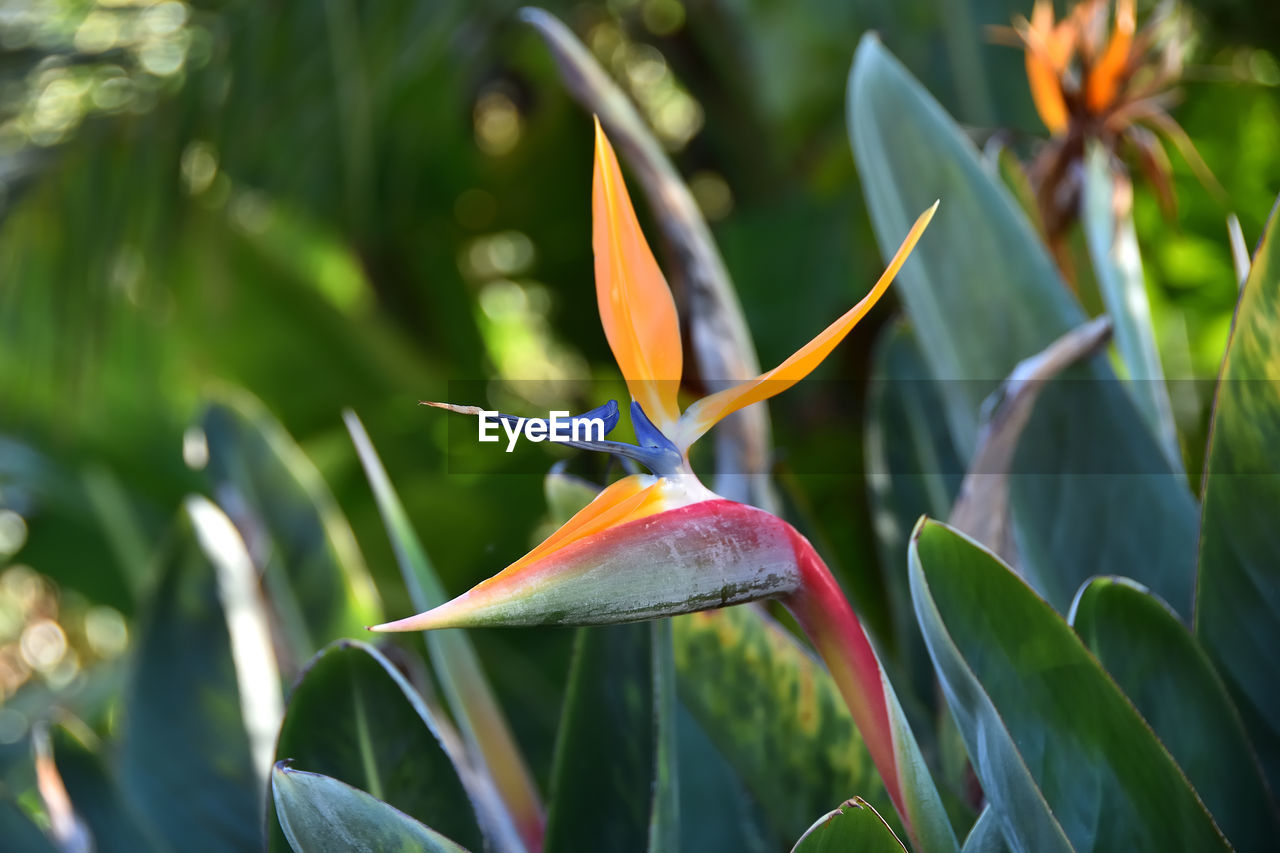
(353,717)
(1063,757)
(1169,679)
(321,814)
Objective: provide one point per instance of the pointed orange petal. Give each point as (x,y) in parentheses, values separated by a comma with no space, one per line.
(629,498)
(1048,48)
(705,413)
(1103,81)
(636,307)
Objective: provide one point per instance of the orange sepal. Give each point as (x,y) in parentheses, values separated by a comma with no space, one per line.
(1103,81)
(708,411)
(636,307)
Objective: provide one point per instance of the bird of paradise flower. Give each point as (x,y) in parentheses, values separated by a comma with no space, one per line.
(663,544)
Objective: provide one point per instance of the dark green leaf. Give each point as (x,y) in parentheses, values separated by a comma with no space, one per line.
(321,814)
(1166,675)
(982,295)
(353,717)
(1238,595)
(314,574)
(720,815)
(611,779)
(1064,759)
(855,826)
(96,796)
(912,470)
(185,758)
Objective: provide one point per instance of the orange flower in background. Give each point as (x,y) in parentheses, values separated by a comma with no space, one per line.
(1094,76)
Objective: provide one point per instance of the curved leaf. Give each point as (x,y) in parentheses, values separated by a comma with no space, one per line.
(321,814)
(855,826)
(353,717)
(983,294)
(1238,590)
(1169,679)
(1064,759)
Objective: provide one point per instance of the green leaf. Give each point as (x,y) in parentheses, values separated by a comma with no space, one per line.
(353,717)
(912,470)
(855,826)
(1238,594)
(1064,759)
(489,741)
(185,756)
(97,798)
(774,713)
(321,814)
(721,816)
(982,295)
(1117,265)
(1156,662)
(314,574)
(611,780)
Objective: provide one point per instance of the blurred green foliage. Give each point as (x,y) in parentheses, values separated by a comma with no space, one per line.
(344,204)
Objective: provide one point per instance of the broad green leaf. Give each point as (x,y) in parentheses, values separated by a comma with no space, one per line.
(1117,266)
(314,574)
(1064,759)
(488,738)
(855,826)
(96,796)
(720,815)
(19,832)
(185,757)
(353,717)
(982,294)
(611,779)
(775,714)
(1238,594)
(1169,679)
(321,814)
(912,470)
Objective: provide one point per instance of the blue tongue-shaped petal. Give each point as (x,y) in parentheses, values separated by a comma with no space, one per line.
(654,450)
